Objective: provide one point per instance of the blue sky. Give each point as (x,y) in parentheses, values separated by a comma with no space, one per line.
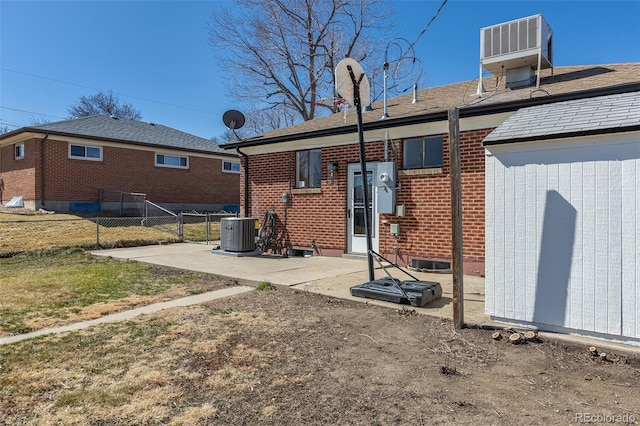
(155,54)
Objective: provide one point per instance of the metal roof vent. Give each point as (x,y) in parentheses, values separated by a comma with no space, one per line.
(516,49)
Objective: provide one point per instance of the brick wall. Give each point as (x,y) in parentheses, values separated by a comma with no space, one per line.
(20,176)
(318,220)
(134,171)
(122,169)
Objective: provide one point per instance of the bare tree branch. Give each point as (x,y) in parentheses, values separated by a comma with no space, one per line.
(280,55)
(103,104)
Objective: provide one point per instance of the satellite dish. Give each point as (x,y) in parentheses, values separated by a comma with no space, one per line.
(365,94)
(345,85)
(233,119)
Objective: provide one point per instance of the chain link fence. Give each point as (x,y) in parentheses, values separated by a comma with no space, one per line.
(202,227)
(36,232)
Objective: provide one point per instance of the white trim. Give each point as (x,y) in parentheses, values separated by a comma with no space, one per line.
(171,166)
(359,241)
(230,170)
(21,156)
(77,157)
(393,133)
(122,145)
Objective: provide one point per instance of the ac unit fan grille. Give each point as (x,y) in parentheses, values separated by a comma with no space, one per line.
(511,37)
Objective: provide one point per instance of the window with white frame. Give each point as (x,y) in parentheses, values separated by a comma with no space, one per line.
(422,153)
(85,152)
(229,167)
(308,168)
(18,151)
(176,161)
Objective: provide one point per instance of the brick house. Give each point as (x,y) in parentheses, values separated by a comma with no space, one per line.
(316,164)
(69,165)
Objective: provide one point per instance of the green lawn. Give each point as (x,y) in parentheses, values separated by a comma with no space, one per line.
(39,290)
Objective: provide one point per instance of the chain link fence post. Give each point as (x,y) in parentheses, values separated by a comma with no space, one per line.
(207,225)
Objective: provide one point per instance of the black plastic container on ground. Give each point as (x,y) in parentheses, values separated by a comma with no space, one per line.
(415,293)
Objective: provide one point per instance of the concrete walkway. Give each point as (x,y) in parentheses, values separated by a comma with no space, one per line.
(125,315)
(331,276)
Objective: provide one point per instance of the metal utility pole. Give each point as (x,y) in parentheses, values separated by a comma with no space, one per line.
(363,166)
(456,218)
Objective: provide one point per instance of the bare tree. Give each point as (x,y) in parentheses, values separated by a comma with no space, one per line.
(103,104)
(281,54)
(37,121)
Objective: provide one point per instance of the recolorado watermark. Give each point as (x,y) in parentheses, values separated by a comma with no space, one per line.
(604,418)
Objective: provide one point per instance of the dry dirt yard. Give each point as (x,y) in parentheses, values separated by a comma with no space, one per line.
(285,357)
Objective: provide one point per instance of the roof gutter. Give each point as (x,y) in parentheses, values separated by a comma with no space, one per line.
(246,181)
(477,109)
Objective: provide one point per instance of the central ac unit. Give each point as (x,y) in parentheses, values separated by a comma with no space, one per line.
(237,234)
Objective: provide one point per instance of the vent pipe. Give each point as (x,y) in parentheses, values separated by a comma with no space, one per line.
(415,93)
(385,114)
(481,89)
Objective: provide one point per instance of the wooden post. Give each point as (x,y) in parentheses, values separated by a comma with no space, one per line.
(456,218)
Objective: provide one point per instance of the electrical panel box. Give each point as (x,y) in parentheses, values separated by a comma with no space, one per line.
(394,229)
(386,187)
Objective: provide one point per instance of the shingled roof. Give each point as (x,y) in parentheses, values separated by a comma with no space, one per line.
(106,128)
(602,114)
(557,84)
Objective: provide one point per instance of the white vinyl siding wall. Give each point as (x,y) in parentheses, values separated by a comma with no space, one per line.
(563,234)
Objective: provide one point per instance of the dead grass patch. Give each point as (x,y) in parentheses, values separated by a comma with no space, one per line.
(20,233)
(290,358)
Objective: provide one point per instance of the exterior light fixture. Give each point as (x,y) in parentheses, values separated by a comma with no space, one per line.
(332,170)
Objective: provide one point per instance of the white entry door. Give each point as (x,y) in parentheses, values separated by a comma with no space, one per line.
(356,233)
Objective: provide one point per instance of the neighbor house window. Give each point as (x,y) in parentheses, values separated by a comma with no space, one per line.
(422,153)
(19,151)
(165,160)
(229,167)
(85,152)
(308,168)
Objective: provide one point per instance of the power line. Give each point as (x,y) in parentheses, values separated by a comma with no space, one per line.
(31,112)
(102,90)
(428,24)
(4,122)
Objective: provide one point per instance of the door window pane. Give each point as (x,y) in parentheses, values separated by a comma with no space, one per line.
(358,203)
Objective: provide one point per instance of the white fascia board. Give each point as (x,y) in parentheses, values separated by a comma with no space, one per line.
(139,147)
(392,133)
(20,137)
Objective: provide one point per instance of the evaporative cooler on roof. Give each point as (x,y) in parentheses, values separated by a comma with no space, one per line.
(516,50)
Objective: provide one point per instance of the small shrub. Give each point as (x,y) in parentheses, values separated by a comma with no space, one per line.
(265,285)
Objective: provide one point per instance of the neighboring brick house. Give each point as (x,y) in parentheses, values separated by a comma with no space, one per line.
(67,165)
(322,213)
